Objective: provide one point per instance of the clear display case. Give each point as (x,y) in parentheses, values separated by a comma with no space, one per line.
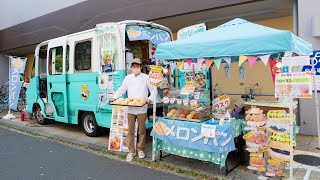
(187,106)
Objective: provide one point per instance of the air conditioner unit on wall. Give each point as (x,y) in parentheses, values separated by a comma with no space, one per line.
(315,26)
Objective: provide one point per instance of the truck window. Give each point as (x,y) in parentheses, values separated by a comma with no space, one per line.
(55,60)
(82,59)
(67,58)
(108,48)
(42,62)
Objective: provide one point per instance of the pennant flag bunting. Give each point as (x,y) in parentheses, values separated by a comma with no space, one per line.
(200,61)
(242,59)
(252,60)
(180,64)
(208,63)
(165,62)
(217,62)
(188,61)
(227,59)
(287,54)
(265,58)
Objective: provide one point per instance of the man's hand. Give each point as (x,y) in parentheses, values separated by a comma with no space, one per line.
(148,101)
(112,99)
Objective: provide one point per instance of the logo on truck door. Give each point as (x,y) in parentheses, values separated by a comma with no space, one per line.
(84,92)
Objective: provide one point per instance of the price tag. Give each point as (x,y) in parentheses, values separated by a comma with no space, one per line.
(186,101)
(274,163)
(179,101)
(208,130)
(172,100)
(263,149)
(250,134)
(263,128)
(280,173)
(166,100)
(258,155)
(221,102)
(262,169)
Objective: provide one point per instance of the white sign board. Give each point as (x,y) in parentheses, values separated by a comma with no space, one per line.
(296,61)
(208,130)
(191,30)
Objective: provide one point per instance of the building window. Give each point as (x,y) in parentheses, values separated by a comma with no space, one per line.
(83,56)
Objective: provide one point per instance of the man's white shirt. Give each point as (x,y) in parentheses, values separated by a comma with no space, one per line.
(136,88)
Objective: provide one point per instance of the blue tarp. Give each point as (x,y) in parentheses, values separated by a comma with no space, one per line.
(234,38)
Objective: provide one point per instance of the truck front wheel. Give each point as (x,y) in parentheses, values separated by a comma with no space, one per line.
(90,125)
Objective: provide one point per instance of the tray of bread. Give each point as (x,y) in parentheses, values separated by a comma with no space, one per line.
(129,102)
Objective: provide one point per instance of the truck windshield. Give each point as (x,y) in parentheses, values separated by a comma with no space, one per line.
(108,52)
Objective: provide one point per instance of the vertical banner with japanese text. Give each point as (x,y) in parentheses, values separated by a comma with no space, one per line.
(17,66)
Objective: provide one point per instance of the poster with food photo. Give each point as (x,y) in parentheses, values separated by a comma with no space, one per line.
(119,129)
(115,142)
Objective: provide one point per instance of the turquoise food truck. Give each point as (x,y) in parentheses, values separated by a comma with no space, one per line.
(75,75)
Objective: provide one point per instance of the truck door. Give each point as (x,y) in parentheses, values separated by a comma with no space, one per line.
(56,79)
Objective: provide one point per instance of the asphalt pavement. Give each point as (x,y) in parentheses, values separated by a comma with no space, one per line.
(24,157)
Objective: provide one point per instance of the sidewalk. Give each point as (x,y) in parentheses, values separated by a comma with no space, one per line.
(75,135)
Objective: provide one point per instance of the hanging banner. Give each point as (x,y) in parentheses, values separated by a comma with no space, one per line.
(156,36)
(191,30)
(200,61)
(252,60)
(188,134)
(173,66)
(188,61)
(227,71)
(265,58)
(293,85)
(242,73)
(217,62)
(208,63)
(17,66)
(242,59)
(227,59)
(180,65)
(274,69)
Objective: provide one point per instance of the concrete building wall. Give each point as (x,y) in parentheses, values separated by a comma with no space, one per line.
(306,10)
(4,69)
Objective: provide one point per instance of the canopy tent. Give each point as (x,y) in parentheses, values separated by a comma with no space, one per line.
(234,38)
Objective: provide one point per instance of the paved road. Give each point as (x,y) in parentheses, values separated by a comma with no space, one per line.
(25,157)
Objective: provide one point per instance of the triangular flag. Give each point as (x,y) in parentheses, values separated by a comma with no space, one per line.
(242,59)
(208,63)
(188,61)
(217,62)
(180,64)
(200,61)
(265,58)
(227,59)
(172,66)
(165,62)
(252,60)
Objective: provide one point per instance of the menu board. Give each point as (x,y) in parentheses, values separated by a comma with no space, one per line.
(119,129)
(293,85)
